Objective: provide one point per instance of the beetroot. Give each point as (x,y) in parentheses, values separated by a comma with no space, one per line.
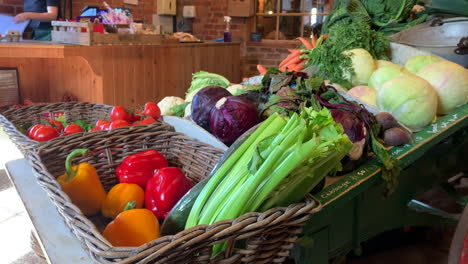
(231,117)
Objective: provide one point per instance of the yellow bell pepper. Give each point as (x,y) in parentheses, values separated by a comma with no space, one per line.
(82,184)
(119,196)
(132,227)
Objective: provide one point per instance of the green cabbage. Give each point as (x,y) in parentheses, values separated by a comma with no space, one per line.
(450,80)
(365,94)
(203,79)
(416,63)
(385,73)
(363,65)
(410,99)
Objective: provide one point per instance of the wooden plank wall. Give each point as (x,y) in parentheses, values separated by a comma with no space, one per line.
(122,75)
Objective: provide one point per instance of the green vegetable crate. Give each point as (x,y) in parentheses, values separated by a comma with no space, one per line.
(251,238)
(13,120)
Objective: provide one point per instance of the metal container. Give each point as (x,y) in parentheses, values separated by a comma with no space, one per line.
(442,37)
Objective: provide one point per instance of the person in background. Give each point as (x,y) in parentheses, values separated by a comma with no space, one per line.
(40,12)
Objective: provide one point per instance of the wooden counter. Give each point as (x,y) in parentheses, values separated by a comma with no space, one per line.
(123,75)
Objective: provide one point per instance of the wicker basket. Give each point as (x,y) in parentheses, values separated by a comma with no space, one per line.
(12,119)
(252,238)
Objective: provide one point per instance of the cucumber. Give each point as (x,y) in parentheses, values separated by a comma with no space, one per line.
(175,220)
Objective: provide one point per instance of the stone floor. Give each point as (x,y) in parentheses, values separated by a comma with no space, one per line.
(418,246)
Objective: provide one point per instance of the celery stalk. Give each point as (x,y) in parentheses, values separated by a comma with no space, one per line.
(269,125)
(235,205)
(282,171)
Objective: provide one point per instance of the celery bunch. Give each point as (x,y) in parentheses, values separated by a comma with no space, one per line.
(278,164)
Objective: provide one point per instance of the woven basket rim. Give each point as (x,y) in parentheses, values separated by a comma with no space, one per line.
(30,145)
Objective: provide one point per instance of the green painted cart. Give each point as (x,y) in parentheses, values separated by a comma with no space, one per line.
(354,209)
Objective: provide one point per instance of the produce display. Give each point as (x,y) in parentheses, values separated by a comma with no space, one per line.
(329,107)
(148,188)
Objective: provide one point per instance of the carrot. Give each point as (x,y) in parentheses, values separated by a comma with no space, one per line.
(261,69)
(288,59)
(314,41)
(291,56)
(298,67)
(282,69)
(293,50)
(306,43)
(296,60)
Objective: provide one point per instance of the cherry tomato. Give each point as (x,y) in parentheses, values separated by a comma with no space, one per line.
(56,124)
(72,129)
(42,132)
(136,116)
(118,123)
(119,113)
(94,129)
(148,121)
(103,124)
(152,110)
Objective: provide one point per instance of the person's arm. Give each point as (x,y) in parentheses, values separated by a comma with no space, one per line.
(51,14)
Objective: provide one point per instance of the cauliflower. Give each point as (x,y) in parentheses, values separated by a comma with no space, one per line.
(188,110)
(168,102)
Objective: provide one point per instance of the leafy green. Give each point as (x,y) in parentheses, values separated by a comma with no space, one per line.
(24,127)
(179,110)
(386,16)
(203,79)
(329,59)
(385,12)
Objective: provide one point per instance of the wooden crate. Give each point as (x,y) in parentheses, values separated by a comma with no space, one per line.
(72,33)
(9,88)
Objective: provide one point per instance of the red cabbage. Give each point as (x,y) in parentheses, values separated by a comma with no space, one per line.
(231,117)
(202,103)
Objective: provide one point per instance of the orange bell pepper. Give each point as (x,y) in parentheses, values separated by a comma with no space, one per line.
(82,184)
(132,227)
(119,196)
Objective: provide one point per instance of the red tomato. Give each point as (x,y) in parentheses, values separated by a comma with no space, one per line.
(152,109)
(103,124)
(136,116)
(72,129)
(94,129)
(119,113)
(56,124)
(148,121)
(118,123)
(42,132)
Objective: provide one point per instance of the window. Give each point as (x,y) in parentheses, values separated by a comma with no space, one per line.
(288,19)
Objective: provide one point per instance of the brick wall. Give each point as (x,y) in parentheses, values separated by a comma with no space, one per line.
(209,21)
(269,53)
(11,7)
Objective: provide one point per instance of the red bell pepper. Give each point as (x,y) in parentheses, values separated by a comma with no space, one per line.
(139,168)
(165,189)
